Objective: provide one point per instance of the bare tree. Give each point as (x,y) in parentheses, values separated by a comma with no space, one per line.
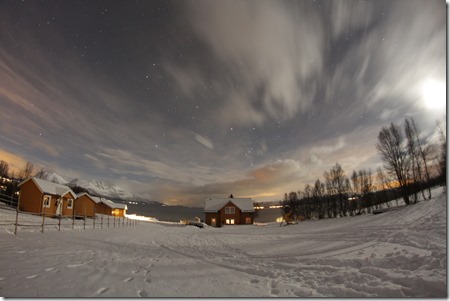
(423,152)
(443,155)
(318,196)
(395,157)
(363,187)
(27,171)
(41,173)
(421,156)
(338,186)
(415,167)
(4,168)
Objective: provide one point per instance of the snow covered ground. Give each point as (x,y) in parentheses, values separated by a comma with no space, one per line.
(399,253)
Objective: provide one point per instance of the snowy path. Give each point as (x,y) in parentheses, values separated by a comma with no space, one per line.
(401,253)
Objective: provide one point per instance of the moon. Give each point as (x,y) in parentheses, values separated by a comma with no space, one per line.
(434,94)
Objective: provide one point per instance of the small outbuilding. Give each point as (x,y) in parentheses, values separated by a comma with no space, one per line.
(44,197)
(229,211)
(105,206)
(85,205)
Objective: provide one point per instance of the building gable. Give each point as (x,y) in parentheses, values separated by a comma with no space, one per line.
(216,204)
(51,188)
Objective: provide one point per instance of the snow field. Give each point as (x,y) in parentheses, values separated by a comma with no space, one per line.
(399,253)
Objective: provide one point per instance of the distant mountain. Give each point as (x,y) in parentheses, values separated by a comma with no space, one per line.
(100,188)
(53,177)
(95,187)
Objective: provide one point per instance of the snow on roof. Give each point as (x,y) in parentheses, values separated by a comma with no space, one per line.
(113,205)
(215,204)
(95,199)
(50,187)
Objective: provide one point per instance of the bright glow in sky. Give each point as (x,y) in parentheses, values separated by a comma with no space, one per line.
(434,94)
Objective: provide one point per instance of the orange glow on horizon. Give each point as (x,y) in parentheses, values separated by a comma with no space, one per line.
(15,163)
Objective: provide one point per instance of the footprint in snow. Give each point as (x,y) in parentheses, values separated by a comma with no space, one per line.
(148,280)
(32,276)
(275,291)
(128,279)
(75,265)
(254,281)
(142,294)
(102,290)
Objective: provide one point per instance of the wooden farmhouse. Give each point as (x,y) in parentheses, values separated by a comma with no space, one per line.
(228,211)
(108,207)
(40,196)
(86,205)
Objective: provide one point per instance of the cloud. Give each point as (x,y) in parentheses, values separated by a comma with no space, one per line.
(15,162)
(266,182)
(348,16)
(125,162)
(204,141)
(270,68)
(328,147)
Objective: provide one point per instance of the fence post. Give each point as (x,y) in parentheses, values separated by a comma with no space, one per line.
(95,216)
(17,216)
(43,217)
(108,221)
(101,223)
(59,223)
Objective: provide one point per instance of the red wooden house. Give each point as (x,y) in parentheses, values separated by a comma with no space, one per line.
(228,211)
(44,197)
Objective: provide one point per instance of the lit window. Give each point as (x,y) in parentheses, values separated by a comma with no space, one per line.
(230,210)
(230,221)
(248,220)
(69,203)
(47,201)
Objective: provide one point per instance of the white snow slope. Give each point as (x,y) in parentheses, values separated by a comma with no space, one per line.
(399,253)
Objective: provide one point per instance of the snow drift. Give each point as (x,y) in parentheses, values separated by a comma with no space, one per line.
(399,253)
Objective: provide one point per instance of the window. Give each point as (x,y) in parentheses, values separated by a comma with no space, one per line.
(69,203)
(230,221)
(47,201)
(230,210)
(248,220)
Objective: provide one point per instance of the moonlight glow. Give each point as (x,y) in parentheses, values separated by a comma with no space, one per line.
(433,93)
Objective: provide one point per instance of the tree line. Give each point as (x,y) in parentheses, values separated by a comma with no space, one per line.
(9,179)
(407,173)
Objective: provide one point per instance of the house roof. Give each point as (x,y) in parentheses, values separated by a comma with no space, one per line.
(93,198)
(215,204)
(113,205)
(50,187)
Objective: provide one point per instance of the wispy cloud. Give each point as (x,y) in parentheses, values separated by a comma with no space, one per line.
(260,49)
(204,141)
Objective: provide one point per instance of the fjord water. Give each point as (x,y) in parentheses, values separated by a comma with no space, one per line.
(177,213)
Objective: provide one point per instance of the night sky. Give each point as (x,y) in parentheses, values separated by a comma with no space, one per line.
(182,100)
